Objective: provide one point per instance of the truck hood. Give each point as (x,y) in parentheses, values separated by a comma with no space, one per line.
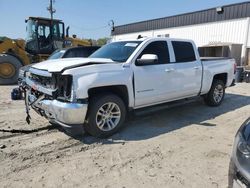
(58,65)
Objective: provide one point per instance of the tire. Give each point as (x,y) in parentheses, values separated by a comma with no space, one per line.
(9,69)
(216,93)
(101,110)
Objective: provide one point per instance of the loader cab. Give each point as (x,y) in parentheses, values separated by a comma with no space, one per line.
(43,36)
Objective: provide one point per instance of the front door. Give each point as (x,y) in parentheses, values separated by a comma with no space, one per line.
(152,82)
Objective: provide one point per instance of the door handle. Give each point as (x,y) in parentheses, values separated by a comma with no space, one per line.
(196,68)
(169,70)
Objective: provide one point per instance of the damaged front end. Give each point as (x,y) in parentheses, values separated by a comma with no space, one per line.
(51,95)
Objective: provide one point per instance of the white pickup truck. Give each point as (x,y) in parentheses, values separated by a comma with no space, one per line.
(97,92)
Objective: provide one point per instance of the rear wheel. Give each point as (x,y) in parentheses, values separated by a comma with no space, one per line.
(9,68)
(216,94)
(106,115)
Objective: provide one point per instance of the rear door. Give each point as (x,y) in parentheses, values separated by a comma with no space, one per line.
(187,70)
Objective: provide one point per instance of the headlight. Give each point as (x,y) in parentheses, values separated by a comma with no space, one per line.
(241,151)
(243,147)
(21,73)
(241,155)
(64,85)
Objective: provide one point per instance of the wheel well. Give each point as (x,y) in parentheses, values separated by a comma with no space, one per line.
(119,90)
(222,77)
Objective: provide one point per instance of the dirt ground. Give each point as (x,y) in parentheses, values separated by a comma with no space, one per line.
(185,146)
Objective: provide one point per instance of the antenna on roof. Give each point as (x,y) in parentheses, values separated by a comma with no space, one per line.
(139,37)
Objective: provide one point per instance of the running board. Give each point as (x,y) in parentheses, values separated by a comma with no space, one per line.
(159,107)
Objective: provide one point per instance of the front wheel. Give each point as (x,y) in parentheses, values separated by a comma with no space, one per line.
(216,94)
(9,67)
(105,116)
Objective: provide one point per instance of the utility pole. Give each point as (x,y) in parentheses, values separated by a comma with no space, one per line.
(51,9)
(112,25)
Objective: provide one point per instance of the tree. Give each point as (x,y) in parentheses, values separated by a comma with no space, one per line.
(102,41)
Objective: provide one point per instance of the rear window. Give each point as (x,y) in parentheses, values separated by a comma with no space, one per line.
(86,52)
(80,52)
(57,54)
(184,51)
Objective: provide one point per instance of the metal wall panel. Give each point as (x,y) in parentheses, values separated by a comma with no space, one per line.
(232,31)
(235,11)
(248,36)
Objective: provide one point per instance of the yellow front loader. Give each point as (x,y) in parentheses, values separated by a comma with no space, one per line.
(43,37)
(12,57)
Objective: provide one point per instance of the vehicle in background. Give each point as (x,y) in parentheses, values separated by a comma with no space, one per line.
(72,52)
(80,51)
(96,93)
(43,37)
(239,168)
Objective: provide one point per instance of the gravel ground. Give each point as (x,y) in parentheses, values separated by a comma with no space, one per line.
(185,146)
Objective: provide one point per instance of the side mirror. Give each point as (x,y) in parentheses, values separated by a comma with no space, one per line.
(147,59)
(67,31)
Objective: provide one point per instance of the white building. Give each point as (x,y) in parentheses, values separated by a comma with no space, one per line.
(221,31)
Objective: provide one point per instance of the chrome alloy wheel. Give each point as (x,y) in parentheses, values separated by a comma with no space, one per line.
(108,116)
(218,93)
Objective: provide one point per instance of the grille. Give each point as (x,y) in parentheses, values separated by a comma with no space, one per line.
(47,82)
(242,179)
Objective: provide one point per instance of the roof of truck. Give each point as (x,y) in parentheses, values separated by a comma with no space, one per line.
(153,38)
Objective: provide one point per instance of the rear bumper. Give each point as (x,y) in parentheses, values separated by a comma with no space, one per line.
(63,113)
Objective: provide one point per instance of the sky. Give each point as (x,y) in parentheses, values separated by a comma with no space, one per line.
(90,18)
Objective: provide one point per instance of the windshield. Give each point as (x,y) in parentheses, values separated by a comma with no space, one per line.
(57,54)
(31,38)
(117,51)
(30,30)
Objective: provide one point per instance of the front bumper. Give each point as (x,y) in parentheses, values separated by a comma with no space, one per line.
(63,113)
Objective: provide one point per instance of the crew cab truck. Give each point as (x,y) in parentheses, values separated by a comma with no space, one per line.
(97,92)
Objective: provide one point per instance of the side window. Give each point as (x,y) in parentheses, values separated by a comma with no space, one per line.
(184,51)
(43,31)
(61,30)
(159,48)
(55,31)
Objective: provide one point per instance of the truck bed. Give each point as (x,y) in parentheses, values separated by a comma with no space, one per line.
(216,65)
